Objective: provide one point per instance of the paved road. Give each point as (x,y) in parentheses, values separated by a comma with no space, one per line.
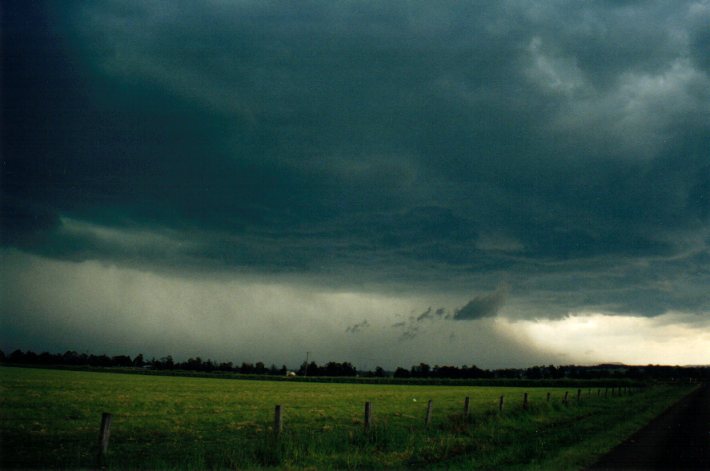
(677,439)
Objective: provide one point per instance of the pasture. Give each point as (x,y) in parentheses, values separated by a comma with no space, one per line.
(50,419)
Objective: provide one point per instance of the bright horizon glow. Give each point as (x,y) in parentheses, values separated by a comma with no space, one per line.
(670,339)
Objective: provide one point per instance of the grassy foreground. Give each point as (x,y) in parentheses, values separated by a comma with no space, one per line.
(50,419)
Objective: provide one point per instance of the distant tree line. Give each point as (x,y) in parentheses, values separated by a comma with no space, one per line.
(329,369)
(551,372)
(346,369)
(423,370)
(72,358)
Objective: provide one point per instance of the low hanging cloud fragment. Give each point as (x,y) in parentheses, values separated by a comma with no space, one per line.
(413,325)
(410,332)
(432,314)
(482,306)
(356,328)
(425,315)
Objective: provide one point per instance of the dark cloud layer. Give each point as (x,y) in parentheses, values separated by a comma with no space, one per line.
(559,148)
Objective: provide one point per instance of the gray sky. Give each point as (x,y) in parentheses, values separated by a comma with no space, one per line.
(493,183)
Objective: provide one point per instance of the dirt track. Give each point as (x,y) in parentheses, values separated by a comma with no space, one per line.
(677,439)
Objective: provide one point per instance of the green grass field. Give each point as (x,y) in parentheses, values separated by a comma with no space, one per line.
(50,419)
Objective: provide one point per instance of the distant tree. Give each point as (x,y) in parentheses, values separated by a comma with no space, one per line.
(31,357)
(552,372)
(192,364)
(17,356)
(421,371)
(340,369)
(166,363)
(401,373)
(139,361)
(46,358)
(333,369)
(314,369)
(379,372)
(70,357)
(103,360)
(121,360)
(226,366)
(309,369)
(533,373)
(474,372)
(510,373)
(349,369)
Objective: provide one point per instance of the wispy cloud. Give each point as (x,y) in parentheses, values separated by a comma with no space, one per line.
(359,327)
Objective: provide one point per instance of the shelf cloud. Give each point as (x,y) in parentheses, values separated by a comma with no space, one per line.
(432,152)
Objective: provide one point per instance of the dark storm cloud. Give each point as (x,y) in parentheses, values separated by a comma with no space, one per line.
(22,224)
(485,305)
(430,144)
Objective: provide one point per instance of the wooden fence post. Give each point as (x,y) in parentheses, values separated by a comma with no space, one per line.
(368,416)
(564,401)
(548,397)
(525,401)
(427,419)
(104,434)
(500,403)
(278,423)
(466,406)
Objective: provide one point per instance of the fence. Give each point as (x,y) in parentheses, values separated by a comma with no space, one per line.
(369,416)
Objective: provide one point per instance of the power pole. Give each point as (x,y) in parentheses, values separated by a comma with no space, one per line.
(305,373)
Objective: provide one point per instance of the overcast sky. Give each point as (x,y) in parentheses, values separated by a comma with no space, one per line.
(499,183)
